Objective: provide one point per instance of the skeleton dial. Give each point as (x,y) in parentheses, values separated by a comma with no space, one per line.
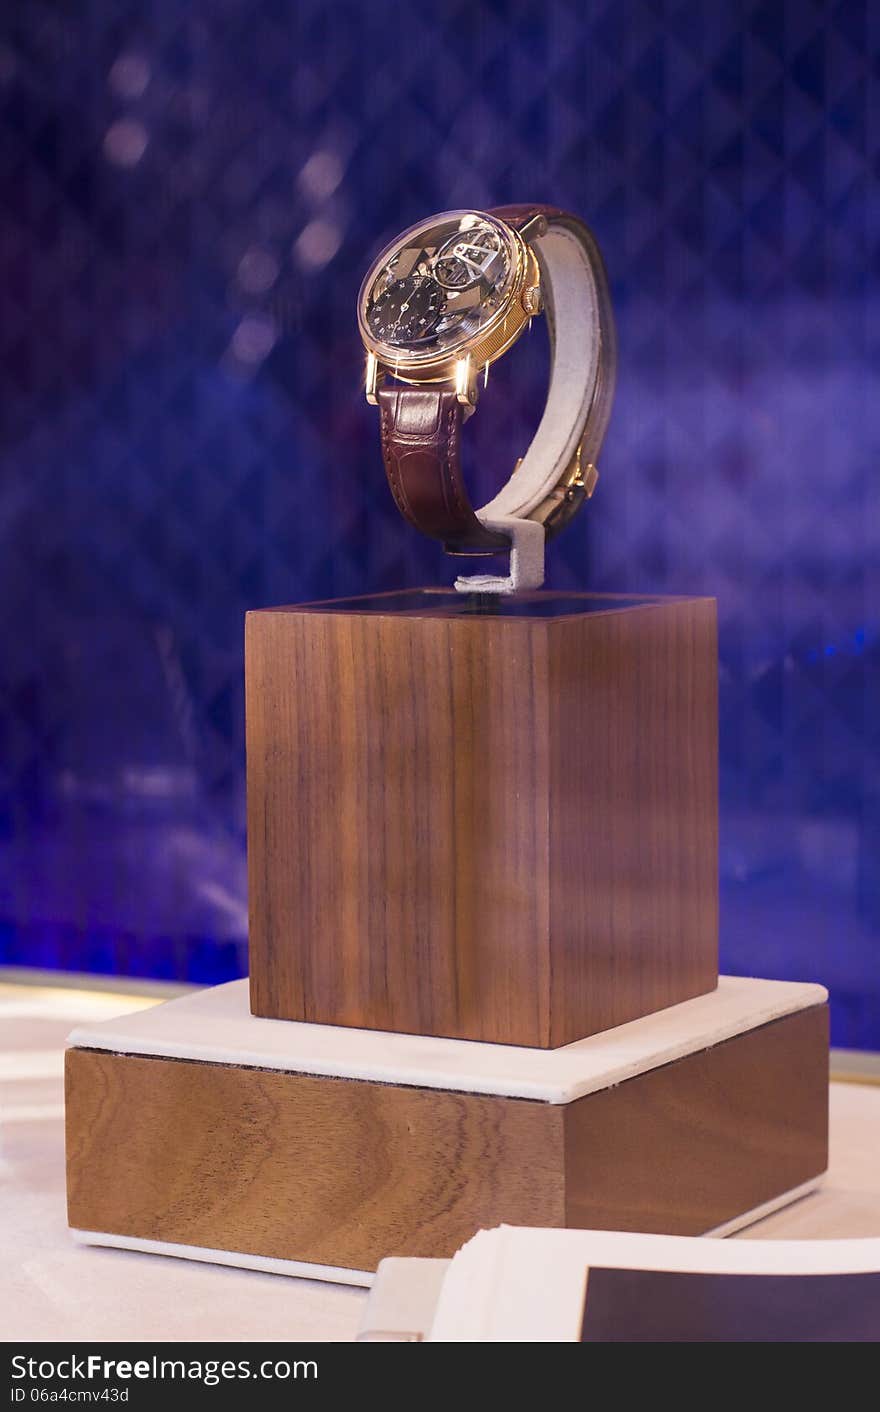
(440,284)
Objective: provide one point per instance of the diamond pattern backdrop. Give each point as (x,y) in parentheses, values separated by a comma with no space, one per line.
(189,194)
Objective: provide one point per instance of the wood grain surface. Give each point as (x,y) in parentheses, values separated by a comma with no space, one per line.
(342,1172)
(689,1146)
(633,811)
(334,1171)
(483,827)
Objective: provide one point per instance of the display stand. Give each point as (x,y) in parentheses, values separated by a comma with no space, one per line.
(483,894)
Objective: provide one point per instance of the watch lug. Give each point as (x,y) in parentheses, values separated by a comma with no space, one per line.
(466,381)
(373,379)
(533,228)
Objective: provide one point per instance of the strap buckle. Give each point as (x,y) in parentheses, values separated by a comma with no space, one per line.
(575,485)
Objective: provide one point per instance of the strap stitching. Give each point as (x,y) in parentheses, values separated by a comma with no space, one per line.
(391,465)
(451,476)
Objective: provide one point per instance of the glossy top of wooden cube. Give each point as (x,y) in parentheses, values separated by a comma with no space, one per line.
(447,603)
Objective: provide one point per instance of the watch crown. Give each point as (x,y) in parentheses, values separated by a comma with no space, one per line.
(532,300)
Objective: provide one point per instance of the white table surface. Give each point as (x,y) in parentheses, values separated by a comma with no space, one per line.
(53,1290)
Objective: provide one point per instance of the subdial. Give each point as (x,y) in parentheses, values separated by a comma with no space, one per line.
(407,310)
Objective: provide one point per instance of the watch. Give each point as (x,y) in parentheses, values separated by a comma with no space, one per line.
(439,305)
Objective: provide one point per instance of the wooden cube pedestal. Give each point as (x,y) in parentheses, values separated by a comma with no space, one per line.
(196,1129)
(483,819)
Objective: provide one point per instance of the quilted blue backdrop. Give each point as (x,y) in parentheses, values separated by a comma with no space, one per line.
(189,193)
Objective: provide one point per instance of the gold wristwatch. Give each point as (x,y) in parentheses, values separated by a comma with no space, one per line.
(439,305)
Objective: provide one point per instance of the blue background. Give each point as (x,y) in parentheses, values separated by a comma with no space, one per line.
(189,194)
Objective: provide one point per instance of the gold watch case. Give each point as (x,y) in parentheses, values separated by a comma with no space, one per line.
(455,252)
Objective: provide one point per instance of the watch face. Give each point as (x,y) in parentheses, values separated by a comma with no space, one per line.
(407,310)
(438,286)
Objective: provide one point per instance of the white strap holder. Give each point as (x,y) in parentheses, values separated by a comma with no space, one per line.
(558,468)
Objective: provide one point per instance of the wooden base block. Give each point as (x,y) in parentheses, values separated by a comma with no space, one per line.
(488,821)
(191,1150)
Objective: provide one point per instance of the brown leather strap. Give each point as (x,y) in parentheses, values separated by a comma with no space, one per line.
(517,216)
(421,436)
